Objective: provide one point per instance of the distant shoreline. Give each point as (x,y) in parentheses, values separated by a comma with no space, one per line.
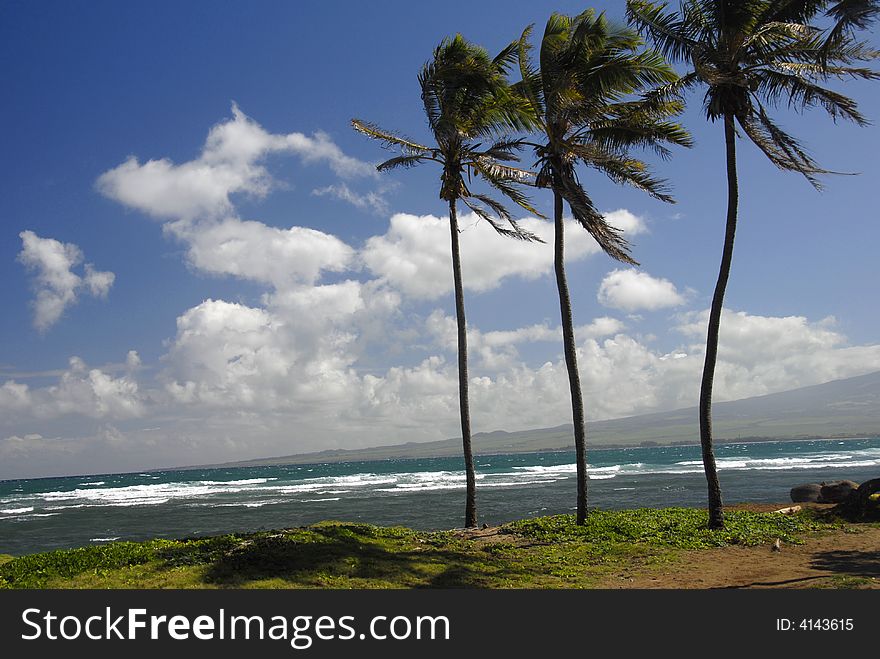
(300,458)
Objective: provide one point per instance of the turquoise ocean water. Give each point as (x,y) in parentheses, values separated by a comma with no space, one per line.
(52,513)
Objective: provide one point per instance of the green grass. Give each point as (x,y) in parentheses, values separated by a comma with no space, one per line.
(681,528)
(548,552)
(844,582)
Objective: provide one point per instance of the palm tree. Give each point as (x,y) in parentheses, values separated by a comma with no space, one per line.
(467,101)
(751,56)
(582,97)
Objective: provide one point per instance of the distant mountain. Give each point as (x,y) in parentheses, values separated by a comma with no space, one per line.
(841,408)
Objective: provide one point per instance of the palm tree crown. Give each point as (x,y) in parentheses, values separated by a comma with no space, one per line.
(468,101)
(752,55)
(582,99)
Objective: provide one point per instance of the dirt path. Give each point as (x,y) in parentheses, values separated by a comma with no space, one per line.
(835,560)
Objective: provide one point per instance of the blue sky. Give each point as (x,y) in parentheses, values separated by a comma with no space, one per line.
(336,333)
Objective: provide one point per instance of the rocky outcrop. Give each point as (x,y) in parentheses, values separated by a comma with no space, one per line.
(863,503)
(836,491)
(824,492)
(806,493)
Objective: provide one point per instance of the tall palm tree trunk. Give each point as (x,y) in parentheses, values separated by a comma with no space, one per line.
(470,511)
(570,349)
(716,510)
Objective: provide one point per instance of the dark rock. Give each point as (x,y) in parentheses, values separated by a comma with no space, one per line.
(863,503)
(806,493)
(836,491)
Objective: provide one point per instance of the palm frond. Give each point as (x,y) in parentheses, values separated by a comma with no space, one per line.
(515,231)
(749,54)
(490,167)
(641,123)
(846,51)
(507,56)
(854,14)
(525,234)
(801,93)
(494,206)
(790,11)
(671,92)
(783,150)
(775,39)
(849,16)
(390,139)
(634,172)
(817,71)
(530,85)
(507,185)
(610,239)
(505,150)
(668,33)
(403,162)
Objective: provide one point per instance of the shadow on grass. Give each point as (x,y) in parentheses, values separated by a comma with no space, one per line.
(852,563)
(849,567)
(784,582)
(342,556)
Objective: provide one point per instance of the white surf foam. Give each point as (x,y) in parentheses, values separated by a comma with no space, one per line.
(32,515)
(258,492)
(245,481)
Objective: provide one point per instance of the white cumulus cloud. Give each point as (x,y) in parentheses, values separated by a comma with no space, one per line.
(374,201)
(80,391)
(763,354)
(194,200)
(632,290)
(623,374)
(56,284)
(256,251)
(415,256)
(243,381)
(497,350)
(230,163)
(299,349)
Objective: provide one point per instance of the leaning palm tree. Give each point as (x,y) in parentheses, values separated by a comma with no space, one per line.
(583,98)
(752,56)
(468,102)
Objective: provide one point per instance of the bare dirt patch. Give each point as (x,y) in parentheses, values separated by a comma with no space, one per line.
(835,559)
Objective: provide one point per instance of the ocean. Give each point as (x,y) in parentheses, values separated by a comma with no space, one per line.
(54,513)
